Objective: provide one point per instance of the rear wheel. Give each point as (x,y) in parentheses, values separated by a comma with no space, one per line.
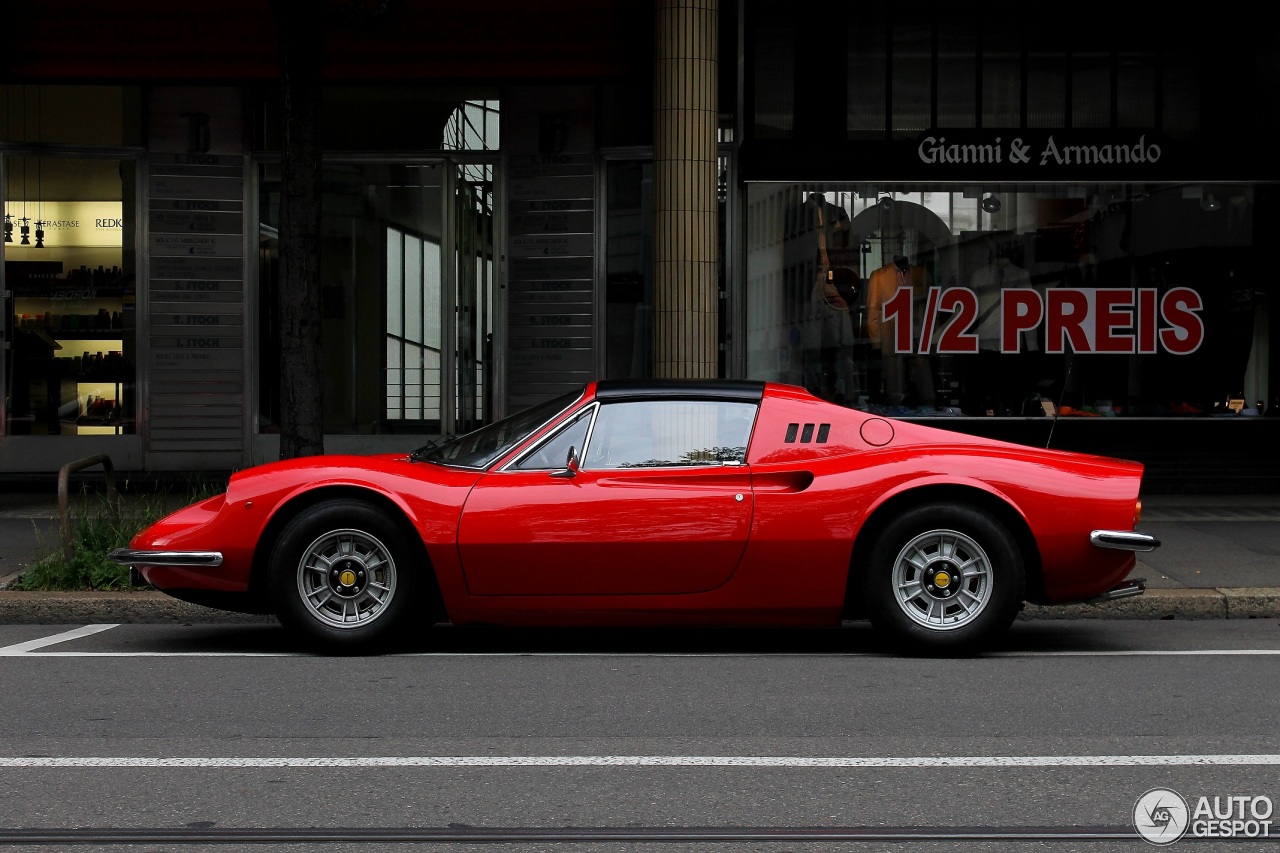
(945,577)
(341,575)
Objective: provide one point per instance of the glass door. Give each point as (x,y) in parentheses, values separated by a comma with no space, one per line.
(407,264)
(474,273)
(414,297)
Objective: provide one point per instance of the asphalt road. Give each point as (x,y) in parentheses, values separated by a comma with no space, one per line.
(186,737)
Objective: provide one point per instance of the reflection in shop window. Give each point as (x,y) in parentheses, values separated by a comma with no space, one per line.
(69,297)
(413,334)
(473,126)
(395,297)
(1089,301)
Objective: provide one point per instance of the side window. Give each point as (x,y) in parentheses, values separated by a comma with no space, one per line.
(554,452)
(659,433)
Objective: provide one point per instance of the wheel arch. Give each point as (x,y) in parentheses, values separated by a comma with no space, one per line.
(299,503)
(952,493)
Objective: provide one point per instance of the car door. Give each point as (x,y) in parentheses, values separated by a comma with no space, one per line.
(660,502)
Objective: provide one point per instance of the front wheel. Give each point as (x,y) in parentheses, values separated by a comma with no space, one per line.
(944,577)
(340,575)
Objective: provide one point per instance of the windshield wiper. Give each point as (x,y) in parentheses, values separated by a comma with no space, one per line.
(434,444)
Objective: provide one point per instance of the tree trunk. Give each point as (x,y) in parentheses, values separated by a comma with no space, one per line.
(301,33)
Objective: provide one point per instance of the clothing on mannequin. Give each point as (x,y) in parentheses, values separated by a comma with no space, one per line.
(987,282)
(823,294)
(998,383)
(897,367)
(881,286)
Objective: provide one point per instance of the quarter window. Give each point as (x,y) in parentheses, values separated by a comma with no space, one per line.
(661,433)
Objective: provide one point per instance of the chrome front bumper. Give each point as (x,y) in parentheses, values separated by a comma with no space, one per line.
(129,557)
(1126,540)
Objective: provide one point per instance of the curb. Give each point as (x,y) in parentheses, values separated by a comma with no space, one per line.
(1225,603)
(18,607)
(148,606)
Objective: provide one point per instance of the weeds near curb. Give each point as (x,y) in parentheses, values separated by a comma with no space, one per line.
(95,532)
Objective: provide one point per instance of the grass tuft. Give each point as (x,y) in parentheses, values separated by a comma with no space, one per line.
(96,529)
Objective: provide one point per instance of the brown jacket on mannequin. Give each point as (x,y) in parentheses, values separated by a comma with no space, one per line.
(881,286)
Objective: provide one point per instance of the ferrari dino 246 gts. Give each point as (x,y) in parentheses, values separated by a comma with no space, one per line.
(662,503)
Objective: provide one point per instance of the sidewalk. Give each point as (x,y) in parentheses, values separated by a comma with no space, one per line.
(1219,559)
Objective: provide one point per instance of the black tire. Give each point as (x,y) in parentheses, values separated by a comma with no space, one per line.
(944,577)
(342,576)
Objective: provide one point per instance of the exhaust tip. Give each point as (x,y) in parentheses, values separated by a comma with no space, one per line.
(1128,589)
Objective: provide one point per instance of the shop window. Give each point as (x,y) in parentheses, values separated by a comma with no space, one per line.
(1091,90)
(1091,301)
(1135,85)
(774,50)
(1001,76)
(472,126)
(912,78)
(957,75)
(407,278)
(628,308)
(70,295)
(1046,89)
(898,75)
(413,327)
(867,85)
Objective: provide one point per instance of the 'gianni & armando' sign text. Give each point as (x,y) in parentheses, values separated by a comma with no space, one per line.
(1017,148)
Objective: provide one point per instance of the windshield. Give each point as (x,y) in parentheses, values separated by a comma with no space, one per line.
(481,448)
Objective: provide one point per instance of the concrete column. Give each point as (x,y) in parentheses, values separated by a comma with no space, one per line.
(684,171)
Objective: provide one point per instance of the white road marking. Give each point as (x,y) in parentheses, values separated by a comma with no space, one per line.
(21,649)
(30,645)
(1134,653)
(782,761)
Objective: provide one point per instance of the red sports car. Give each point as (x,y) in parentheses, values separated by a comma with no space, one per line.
(662,502)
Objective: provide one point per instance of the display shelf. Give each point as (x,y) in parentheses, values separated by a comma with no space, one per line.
(62,290)
(88,334)
(95,413)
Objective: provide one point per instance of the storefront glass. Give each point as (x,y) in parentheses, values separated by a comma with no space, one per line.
(407,258)
(628,308)
(407,266)
(68,175)
(70,296)
(1103,300)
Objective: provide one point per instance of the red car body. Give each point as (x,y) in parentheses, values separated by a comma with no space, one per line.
(783,536)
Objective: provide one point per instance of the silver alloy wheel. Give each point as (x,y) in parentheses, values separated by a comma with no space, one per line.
(347,578)
(942,580)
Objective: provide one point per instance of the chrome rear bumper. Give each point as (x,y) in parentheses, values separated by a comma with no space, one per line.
(129,557)
(1127,540)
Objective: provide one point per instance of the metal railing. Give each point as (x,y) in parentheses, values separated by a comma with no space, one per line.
(64,480)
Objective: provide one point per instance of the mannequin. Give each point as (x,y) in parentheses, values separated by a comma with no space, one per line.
(819,269)
(996,379)
(897,367)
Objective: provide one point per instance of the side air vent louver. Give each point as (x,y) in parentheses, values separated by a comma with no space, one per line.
(806,435)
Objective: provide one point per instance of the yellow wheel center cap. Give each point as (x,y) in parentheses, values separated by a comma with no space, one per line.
(942,579)
(347,578)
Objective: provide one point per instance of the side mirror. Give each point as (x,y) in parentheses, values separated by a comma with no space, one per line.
(570,469)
